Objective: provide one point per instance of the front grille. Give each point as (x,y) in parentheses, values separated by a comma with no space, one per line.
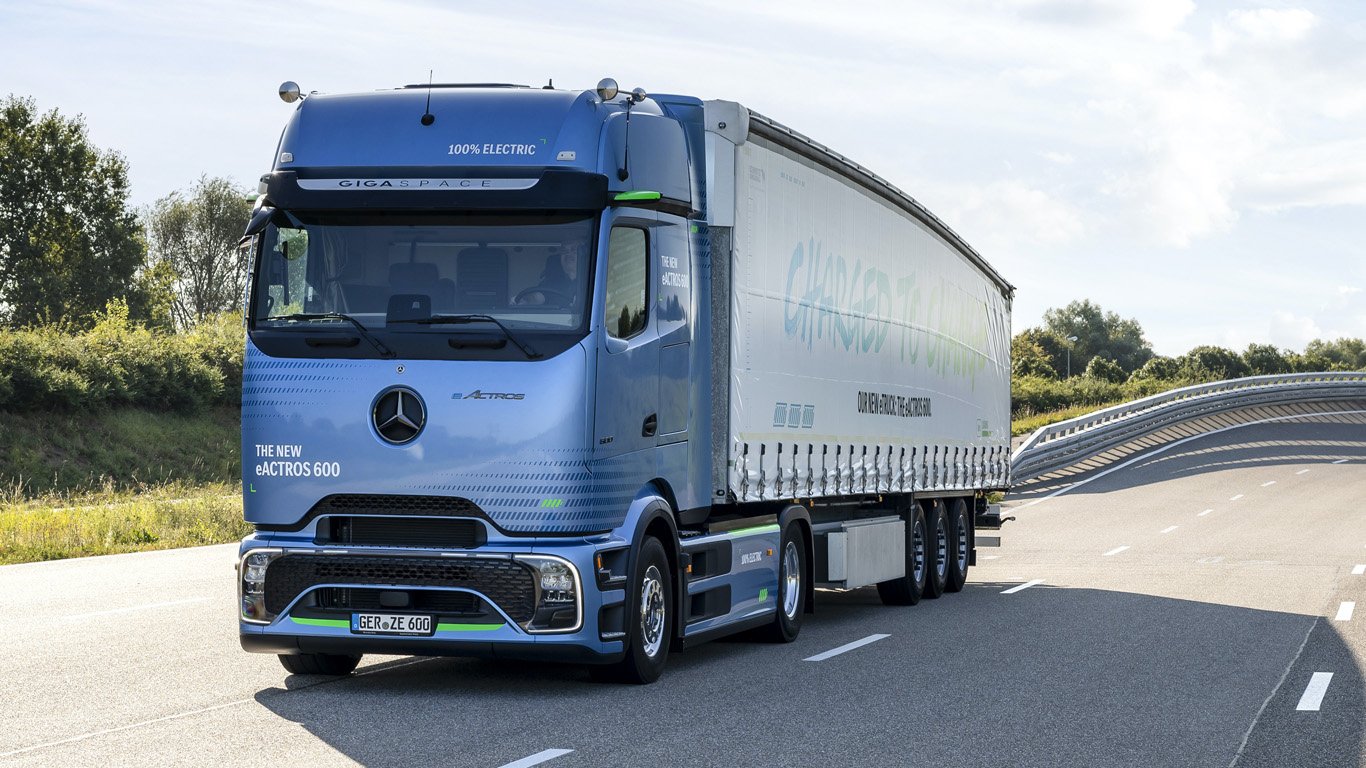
(384,504)
(367,599)
(507,583)
(435,532)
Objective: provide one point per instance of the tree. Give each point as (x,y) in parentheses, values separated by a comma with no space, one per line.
(68,241)
(1265,359)
(1099,333)
(1105,370)
(1029,358)
(1158,368)
(195,236)
(1341,355)
(1209,363)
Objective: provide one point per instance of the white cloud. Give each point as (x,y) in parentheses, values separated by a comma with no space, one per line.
(1276,25)
(1004,214)
(1292,331)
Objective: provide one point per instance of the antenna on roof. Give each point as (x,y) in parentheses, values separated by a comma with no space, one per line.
(549,85)
(427,117)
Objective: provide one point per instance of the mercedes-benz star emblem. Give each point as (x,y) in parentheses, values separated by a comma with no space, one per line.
(399,415)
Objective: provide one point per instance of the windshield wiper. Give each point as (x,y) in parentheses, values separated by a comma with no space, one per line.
(464,319)
(364,332)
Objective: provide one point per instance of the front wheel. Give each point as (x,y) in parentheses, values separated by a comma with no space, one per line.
(791,587)
(650,617)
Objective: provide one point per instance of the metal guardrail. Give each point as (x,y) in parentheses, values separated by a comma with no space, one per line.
(1065,443)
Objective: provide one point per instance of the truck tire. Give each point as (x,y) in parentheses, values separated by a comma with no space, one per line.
(960,546)
(908,589)
(791,597)
(319,663)
(938,538)
(649,615)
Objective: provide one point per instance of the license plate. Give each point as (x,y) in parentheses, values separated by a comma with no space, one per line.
(390,624)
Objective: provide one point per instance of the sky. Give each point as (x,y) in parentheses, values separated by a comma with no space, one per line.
(1199,167)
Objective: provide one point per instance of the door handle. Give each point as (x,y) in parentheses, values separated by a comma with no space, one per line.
(651,424)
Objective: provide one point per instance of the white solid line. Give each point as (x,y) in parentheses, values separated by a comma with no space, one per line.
(131,608)
(1302,471)
(537,759)
(131,726)
(1313,693)
(1235,498)
(1268,482)
(1345,611)
(1164,448)
(1169,529)
(1359,570)
(1340,461)
(846,648)
(1026,585)
(1206,512)
(991,557)
(1115,551)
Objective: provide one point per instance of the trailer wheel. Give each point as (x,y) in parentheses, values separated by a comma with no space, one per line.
(791,595)
(319,663)
(908,589)
(940,539)
(650,620)
(960,546)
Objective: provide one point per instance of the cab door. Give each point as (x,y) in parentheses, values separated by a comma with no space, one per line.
(626,416)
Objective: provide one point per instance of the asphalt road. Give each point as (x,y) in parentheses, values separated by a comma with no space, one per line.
(1178,610)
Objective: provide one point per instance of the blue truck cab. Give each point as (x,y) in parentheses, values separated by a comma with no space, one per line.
(475,374)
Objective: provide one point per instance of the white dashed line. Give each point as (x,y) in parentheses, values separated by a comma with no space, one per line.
(1206,512)
(1313,693)
(1302,471)
(1115,551)
(1026,585)
(1340,461)
(847,647)
(1169,529)
(1345,611)
(1268,482)
(1360,570)
(991,557)
(1235,498)
(537,759)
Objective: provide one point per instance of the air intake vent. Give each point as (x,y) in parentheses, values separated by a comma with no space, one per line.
(422,532)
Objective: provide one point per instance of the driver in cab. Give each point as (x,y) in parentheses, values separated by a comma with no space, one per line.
(559,285)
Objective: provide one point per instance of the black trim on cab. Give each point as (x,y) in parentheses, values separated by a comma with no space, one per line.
(554,190)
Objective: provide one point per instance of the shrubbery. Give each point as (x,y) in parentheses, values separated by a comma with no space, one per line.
(118,363)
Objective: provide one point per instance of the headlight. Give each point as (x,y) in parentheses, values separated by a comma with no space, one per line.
(557,603)
(252,585)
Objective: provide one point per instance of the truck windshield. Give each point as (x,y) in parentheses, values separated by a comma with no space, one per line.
(390,272)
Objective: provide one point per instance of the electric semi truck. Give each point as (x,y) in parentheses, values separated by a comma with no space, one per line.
(596,376)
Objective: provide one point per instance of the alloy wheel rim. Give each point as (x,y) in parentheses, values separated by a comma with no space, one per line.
(962,544)
(652,610)
(918,552)
(792,580)
(941,548)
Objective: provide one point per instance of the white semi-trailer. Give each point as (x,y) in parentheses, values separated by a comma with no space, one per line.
(585,376)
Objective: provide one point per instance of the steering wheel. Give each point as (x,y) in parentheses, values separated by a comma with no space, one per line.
(550,297)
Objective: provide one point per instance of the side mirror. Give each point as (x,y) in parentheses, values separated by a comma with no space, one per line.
(259,219)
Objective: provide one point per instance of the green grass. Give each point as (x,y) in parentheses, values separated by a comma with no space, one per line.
(1024,425)
(119,480)
(107,522)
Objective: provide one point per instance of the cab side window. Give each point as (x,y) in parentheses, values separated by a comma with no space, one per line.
(627,276)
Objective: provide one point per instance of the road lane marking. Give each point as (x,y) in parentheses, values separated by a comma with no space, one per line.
(131,608)
(1340,461)
(122,728)
(537,759)
(1302,471)
(1026,585)
(991,557)
(847,647)
(1345,611)
(1359,570)
(1206,512)
(1164,448)
(1268,482)
(1169,529)
(1235,498)
(1115,551)
(1313,693)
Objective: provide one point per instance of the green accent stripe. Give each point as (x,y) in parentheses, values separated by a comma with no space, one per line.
(626,197)
(343,623)
(756,529)
(468,627)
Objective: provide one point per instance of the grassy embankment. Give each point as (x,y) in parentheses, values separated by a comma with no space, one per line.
(120,480)
(1024,425)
